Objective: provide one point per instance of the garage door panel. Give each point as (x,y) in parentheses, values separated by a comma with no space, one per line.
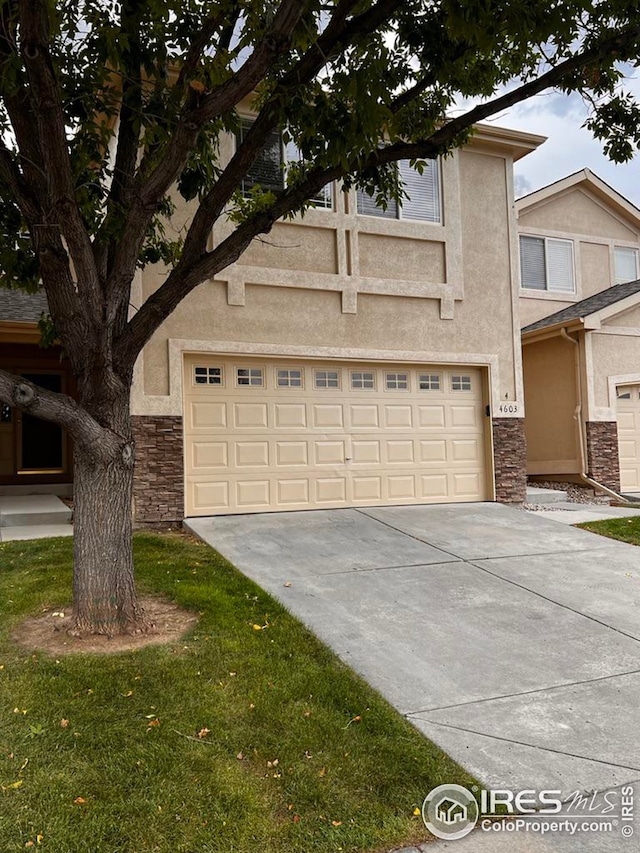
(209,454)
(367,488)
(399,435)
(327,416)
(628,417)
(330,452)
(398,417)
(206,415)
(363,416)
(365,452)
(400,452)
(252,454)
(293,492)
(292,453)
(290,415)
(331,490)
(431,416)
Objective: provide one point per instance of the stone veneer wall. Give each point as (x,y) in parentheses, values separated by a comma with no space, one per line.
(510,459)
(158,480)
(602,453)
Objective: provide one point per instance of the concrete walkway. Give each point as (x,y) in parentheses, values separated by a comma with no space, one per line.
(33,517)
(567,512)
(510,640)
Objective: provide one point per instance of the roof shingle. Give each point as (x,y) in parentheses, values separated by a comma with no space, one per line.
(587,306)
(20,307)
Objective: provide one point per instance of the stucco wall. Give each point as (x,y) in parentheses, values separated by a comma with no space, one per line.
(444,291)
(550,401)
(576,214)
(611,356)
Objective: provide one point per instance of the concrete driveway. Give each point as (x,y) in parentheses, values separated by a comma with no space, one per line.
(510,640)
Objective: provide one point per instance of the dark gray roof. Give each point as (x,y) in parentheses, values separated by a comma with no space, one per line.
(21,307)
(587,306)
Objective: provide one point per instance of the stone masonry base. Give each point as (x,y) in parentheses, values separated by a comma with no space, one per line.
(510,456)
(158,487)
(158,480)
(602,453)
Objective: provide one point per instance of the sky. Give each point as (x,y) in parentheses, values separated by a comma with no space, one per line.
(569,147)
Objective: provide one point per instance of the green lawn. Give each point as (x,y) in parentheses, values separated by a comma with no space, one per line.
(626,529)
(300,756)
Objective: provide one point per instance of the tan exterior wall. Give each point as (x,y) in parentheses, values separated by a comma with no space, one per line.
(615,359)
(349,286)
(550,400)
(578,215)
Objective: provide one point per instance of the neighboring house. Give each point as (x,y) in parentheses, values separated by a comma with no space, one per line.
(580,312)
(353,357)
(34,455)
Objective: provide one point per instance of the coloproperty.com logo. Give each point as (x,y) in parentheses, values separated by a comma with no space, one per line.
(451,811)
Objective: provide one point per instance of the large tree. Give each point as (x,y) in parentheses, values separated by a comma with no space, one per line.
(108,108)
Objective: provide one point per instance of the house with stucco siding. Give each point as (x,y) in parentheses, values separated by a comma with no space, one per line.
(579,246)
(353,357)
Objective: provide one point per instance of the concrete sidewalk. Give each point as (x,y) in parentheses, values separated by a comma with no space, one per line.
(33,517)
(510,640)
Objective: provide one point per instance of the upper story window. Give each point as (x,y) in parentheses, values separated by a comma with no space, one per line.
(270,166)
(424,202)
(626,264)
(547,264)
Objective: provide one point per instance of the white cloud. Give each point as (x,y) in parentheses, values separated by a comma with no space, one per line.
(569,146)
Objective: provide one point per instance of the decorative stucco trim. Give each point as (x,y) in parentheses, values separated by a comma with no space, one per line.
(171,404)
(514,274)
(348,225)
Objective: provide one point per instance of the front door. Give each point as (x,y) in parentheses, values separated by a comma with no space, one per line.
(40,443)
(33,450)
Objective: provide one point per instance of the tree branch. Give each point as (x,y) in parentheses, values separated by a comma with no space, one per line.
(46,101)
(18,392)
(194,269)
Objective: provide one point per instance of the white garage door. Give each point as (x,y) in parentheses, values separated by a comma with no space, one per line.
(629,437)
(283,435)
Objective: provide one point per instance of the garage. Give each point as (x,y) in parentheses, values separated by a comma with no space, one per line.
(267,435)
(628,416)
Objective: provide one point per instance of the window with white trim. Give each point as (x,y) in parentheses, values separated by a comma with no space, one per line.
(269,169)
(362,380)
(250,376)
(429,381)
(289,378)
(547,264)
(327,379)
(625,263)
(423,189)
(460,382)
(207,375)
(397,381)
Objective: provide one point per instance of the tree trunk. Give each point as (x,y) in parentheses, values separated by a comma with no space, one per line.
(104,595)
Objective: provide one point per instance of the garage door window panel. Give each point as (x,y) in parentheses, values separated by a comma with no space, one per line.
(208,376)
(289,378)
(363,380)
(327,379)
(250,377)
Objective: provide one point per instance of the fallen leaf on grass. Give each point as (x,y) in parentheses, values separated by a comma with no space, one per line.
(153,723)
(64,724)
(240,756)
(79,801)
(12,786)
(336,823)
(417,812)
(296,818)
(204,732)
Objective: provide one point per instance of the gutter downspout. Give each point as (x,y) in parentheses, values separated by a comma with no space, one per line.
(578,417)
